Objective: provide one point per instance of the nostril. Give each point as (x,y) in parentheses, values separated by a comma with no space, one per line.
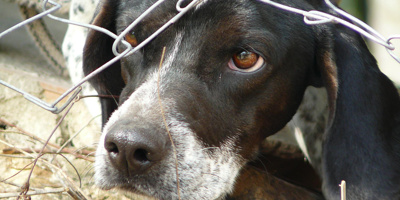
(111,147)
(141,155)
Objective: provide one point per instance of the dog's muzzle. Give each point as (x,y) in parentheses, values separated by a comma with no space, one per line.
(139,142)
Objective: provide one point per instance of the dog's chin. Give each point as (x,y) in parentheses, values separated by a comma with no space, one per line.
(123,187)
(116,182)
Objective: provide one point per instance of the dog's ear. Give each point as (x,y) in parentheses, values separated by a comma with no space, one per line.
(363,106)
(97,51)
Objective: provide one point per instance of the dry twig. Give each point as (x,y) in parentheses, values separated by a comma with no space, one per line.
(37,192)
(166,124)
(82,153)
(34,137)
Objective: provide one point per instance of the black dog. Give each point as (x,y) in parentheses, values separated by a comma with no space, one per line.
(235,73)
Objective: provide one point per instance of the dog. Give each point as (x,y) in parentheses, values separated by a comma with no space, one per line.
(234,73)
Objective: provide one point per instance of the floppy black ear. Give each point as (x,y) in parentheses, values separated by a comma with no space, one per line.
(364,120)
(97,51)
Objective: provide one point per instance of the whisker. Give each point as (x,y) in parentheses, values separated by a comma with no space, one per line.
(87,170)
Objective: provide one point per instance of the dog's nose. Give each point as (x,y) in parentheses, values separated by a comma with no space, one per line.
(132,151)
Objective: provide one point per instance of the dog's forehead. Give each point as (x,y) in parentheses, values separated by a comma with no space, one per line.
(210,15)
(207,10)
(132,9)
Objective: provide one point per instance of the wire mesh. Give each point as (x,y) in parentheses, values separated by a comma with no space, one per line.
(312,17)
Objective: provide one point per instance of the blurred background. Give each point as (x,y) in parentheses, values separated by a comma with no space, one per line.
(384,16)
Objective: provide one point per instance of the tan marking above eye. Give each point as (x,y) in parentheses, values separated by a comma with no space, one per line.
(131,39)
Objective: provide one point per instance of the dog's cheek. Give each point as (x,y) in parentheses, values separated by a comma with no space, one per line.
(208,167)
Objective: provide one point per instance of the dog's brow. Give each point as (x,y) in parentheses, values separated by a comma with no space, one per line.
(171,57)
(181,12)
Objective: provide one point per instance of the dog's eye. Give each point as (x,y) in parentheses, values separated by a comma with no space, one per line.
(246,61)
(131,39)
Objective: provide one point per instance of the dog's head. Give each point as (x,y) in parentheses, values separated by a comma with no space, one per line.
(234,73)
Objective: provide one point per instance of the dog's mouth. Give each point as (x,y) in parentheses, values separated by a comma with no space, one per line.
(127,186)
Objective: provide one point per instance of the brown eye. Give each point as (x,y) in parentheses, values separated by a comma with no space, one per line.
(246,61)
(131,39)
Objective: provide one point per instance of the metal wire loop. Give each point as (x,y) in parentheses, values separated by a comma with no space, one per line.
(391,51)
(179,7)
(315,17)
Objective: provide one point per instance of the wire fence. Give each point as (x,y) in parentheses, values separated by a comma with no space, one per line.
(44,157)
(312,17)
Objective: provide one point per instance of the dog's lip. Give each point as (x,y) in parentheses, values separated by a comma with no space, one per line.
(108,185)
(132,189)
(122,184)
